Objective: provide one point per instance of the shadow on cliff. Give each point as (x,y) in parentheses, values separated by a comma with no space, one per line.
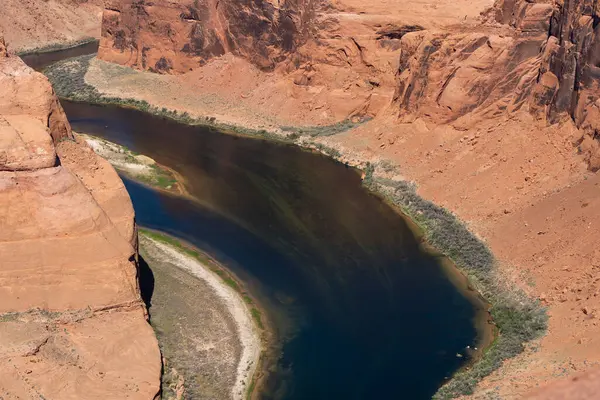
(146,282)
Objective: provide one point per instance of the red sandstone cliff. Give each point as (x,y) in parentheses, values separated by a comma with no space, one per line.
(331,59)
(29,24)
(181,35)
(72,325)
(540,56)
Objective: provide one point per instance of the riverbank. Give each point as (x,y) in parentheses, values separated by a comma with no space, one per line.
(209,328)
(179,297)
(138,167)
(519,318)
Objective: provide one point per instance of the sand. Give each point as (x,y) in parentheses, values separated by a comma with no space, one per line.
(248,333)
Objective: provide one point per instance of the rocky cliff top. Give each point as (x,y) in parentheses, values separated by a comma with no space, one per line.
(68,274)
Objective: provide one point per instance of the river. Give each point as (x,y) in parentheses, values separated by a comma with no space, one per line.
(361,309)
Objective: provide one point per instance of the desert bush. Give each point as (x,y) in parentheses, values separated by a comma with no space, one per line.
(326,130)
(518,318)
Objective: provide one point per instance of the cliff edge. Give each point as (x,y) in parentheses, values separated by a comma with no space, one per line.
(72,324)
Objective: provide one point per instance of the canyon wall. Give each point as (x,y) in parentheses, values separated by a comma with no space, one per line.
(177,36)
(314,61)
(72,323)
(30,24)
(539,56)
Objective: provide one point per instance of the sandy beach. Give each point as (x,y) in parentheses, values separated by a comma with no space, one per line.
(247,332)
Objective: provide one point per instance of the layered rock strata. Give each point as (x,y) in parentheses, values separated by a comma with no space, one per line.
(72,324)
(35,24)
(181,35)
(538,56)
(309,61)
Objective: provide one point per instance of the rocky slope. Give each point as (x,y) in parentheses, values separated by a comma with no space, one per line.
(30,24)
(539,56)
(72,324)
(307,61)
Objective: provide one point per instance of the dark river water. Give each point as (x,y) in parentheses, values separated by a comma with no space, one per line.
(361,310)
(39,61)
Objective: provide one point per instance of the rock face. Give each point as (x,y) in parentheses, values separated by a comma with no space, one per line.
(180,35)
(29,24)
(71,320)
(331,59)
(535,55)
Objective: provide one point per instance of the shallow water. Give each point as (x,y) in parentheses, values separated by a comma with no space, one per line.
(362,311)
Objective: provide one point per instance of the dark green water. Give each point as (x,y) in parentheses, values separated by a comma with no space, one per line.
(362,311)
(39,61)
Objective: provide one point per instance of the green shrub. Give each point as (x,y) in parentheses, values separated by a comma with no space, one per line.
(326,130)
(518,318)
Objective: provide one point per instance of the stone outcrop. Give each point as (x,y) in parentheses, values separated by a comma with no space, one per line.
(71,320)
(177,36)
(538,56)
(3,50)
(332,59)
(32,24)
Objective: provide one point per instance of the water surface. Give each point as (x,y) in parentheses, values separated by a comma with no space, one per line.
(367,313)
(39,61)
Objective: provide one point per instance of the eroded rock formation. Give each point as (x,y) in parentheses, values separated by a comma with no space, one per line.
(30,24)
(177,36)
(332,60)
(538,56)
(72,324)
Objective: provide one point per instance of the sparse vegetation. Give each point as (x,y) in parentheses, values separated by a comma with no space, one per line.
(171,382)
(369,171)
(257,317)
(160,178)
(213,265)
(387,166)
(519,319)
(330,151)
(320,131)
(134,165)
(68,79)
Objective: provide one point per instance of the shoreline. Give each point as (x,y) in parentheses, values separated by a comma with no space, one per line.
(138,167)
(57,46)
(252,330)
(519,319)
